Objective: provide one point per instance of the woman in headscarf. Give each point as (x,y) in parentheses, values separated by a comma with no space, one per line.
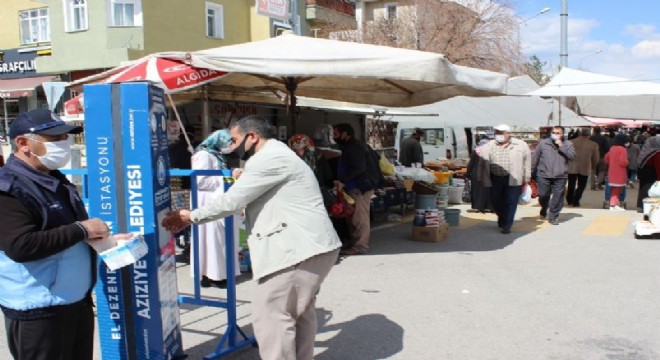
(304,147)
(479,195)
(211,154)
(617,171)
(648,168)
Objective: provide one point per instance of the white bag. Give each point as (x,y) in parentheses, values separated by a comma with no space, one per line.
(526,196)
(654,191)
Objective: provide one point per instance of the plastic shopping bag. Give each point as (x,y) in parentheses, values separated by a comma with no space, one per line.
(654,191)
(526,196)
(386,167)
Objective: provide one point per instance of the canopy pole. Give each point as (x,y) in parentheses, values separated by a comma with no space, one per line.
(291,85)
(183,129)
(206,121)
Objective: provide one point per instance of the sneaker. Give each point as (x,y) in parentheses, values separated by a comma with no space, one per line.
(616,208)
(554,221)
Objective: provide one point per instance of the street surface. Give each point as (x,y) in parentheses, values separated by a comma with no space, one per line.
(584,289)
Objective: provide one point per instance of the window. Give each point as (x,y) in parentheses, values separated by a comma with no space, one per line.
(75,15)
(125,13)
(214,21)
(390,10)
(34,26)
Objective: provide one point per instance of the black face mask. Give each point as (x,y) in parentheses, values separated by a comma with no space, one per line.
(242,153)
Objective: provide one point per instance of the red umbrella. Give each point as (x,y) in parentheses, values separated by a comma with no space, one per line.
(165,70)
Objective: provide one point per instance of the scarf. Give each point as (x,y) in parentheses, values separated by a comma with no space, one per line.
(214,144)
(303,146)
(650,148)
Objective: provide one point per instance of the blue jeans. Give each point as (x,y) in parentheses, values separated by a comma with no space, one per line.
(505,200)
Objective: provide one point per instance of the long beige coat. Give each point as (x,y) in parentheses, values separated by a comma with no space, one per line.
(520,171)
(285,217)
(586,156)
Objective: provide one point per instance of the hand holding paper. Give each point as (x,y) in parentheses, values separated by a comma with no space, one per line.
(97,229)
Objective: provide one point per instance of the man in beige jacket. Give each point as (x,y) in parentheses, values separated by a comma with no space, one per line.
(505,167)
(586,159)
(292,242)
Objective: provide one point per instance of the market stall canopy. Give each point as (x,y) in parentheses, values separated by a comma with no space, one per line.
(523,114)
(521,85)
(16,88)
(337,70)
(371,110)
(617,122)
(605,96)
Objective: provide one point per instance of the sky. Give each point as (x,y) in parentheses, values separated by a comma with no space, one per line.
(617,38)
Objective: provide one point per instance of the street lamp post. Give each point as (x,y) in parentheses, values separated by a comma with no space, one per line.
(584,57)
(563,51)
(524,21)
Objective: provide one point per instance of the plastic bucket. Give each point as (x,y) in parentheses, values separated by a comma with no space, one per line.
(442,177)
(453,216)
(444,191)
(455,195)
(425,201)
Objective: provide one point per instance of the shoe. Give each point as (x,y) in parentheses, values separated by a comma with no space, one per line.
(576,204)
(220,284)
(554,221)
(543,214)
(352,251)
(506,230)
(616,208)
(207,283)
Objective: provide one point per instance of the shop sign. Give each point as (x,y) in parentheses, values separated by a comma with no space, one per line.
(16,65)
(274,9)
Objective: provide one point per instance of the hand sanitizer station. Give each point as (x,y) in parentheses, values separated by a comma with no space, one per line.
(129,188)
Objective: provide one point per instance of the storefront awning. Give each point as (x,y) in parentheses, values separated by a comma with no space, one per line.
(16,88)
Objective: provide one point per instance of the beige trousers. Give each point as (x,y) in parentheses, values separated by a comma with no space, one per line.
(284,309)
(361,221)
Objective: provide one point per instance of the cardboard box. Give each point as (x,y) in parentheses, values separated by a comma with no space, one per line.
(430,234)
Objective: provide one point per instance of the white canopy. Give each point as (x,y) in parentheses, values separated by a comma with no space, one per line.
(522,113)
(343,71)
(605,96)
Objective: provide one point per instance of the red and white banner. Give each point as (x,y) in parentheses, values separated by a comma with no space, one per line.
(274,9)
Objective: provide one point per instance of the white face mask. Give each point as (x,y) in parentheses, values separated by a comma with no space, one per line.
(226,150)
(58,153)
(500,139)
(555,137)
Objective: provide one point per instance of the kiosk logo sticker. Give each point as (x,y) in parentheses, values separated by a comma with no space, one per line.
(160,171)
(154,123)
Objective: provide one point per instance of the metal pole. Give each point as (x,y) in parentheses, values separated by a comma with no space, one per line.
(563,53)
(294,17)
(4,106)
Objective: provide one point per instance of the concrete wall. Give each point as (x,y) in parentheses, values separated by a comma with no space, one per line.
(10,37)
(169,25)
(97,47)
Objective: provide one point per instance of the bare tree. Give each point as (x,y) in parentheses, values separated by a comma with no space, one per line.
(476,33)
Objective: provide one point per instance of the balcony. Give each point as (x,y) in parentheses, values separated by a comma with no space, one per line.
(337,13)
(341,6)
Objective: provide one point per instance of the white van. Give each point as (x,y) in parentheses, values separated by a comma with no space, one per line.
(439,141)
